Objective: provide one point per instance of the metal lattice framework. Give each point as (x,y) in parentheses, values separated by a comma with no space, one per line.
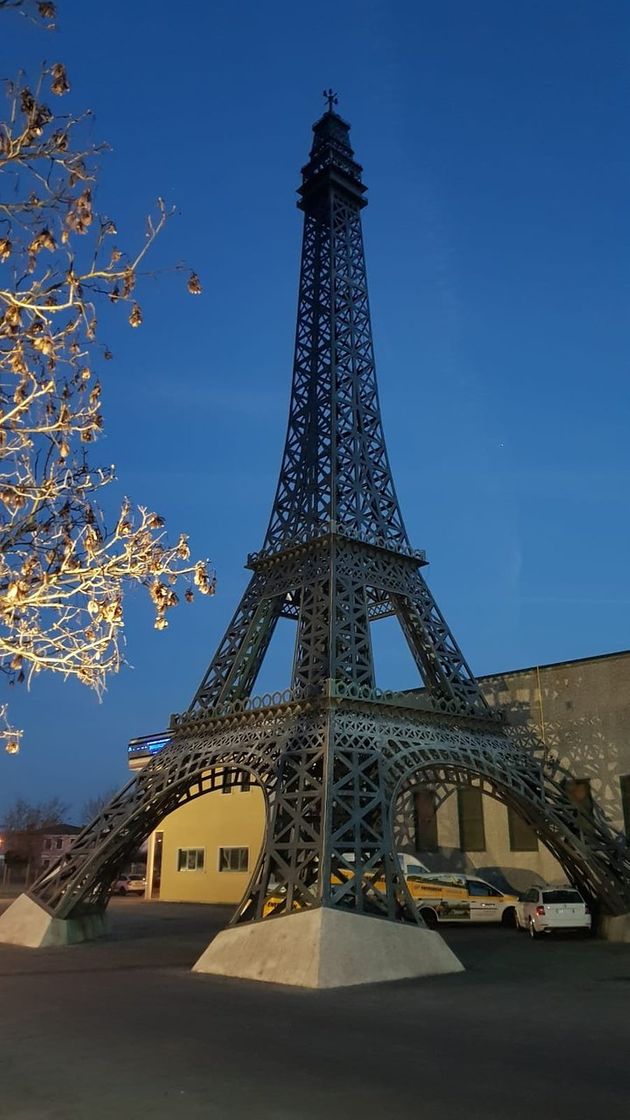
(333,753)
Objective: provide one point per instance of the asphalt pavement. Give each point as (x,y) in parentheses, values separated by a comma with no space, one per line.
(122,1029)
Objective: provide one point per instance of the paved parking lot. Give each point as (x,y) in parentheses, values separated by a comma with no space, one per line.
(123,1029)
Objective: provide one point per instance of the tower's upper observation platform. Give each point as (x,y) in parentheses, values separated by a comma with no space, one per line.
(331,163)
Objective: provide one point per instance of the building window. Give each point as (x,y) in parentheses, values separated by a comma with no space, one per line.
(226,784)
(425,820)
(190,859)
(48,843)
(233,859)
(472,837)
(624,782)
(246,782)
(59,842)
(522,835)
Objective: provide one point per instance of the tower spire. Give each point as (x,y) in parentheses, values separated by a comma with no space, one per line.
(335,466)
(331,98)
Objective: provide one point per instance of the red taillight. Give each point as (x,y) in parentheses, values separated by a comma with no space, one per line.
(540,911)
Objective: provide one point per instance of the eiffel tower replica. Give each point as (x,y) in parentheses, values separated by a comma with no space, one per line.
(327,903)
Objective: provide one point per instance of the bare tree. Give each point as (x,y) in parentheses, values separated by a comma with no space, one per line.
(27,816)
(35,10)
(63,569)
(24,823)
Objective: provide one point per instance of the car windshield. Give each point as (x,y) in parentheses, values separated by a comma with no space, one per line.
(561,896)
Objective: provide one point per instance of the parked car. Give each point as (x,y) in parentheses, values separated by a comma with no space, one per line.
(460,898)
(129,884)
(545,909)
(439,897)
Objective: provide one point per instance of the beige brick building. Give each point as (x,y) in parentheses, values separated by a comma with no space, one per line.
(580,710)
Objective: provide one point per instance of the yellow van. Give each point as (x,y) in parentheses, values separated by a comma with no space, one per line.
(457,898)
(442,897)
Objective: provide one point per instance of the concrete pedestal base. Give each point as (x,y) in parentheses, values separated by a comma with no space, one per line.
(615,927)
(26,923)
(327,949)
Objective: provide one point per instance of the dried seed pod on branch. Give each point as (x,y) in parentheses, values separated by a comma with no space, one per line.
(63,572)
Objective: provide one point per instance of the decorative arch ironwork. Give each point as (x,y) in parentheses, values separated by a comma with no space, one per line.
(593,854)
(185,770)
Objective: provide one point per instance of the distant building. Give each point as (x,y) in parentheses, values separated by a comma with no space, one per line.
(580,710)
(26,852)
(55,841)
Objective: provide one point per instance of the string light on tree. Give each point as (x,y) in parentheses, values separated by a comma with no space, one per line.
(9,736)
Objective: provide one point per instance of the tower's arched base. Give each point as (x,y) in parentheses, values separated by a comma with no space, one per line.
(326,948)
(332,767)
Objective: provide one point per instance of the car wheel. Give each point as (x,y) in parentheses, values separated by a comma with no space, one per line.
(508,918)
(121,890)
(429,917)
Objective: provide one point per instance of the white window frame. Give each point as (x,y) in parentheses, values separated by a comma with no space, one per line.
(232,848)
(187,867)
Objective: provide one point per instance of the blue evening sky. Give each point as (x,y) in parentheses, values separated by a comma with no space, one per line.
(494,139)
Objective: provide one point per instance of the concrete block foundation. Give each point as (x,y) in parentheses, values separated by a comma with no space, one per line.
(615,927)
(326,948)
(27,923)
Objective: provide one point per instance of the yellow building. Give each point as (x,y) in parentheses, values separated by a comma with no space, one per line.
(206,850)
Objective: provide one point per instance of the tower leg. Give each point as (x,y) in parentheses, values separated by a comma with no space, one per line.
(327,948)
(27,923)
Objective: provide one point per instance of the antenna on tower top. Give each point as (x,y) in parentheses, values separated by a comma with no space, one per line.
(331,98)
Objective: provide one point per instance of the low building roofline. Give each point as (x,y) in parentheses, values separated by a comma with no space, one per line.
(553,665)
